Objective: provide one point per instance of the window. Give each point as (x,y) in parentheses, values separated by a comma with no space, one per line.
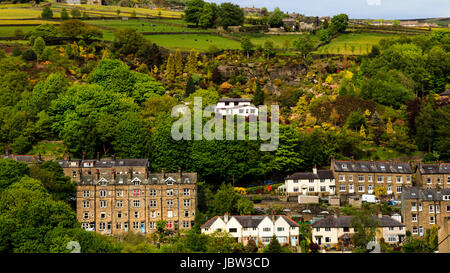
(153,214)
(350,177)
(322,180)
(102,215)
(101,226)
(327,240)
(428,180)
(379,178)
(186,213)
(413,206)
(151,225)
(119,193)
(438,209)
(152,203)
(311,189)
(392,238)
(414,230)
(135,225)
(279,229)
(342,177)
(295,189)
(369,178)
(170,192)
(420,206)
(341,187)
(102,203)
(295,180)
(361,178)
(153,192)
(414,218)
(370,188)
(389,179)
(438,180)
(186,192)
(399,179)
(408,179)
(85,193)
(169,182)
(169,214)
(448,208)
(311,180)
(232,230)
(118,225)
(344,166)
(431,220)
(74,174)
(318,229)
(448,179)
(389,188)
(350,188)
(86,204)
(119,214)
(346,229)
(327,229)
(119,204)
(136,192)
(86,215)
(266,229)
(361,188)
(136,214)
(102,193)
(431,208)
(391,228)
(185,224)
(186,202)
(169,203)
(322,188)
(399,189)
(136,203)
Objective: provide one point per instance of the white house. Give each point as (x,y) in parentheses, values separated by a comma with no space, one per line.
(237,106)
(310,183)
(260,228)
(330,230)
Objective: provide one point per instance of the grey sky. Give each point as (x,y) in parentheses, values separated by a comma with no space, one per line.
(373,9)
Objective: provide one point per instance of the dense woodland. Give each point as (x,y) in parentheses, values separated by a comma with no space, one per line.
(116,98)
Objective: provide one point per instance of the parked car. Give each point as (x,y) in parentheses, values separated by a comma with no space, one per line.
(370,198)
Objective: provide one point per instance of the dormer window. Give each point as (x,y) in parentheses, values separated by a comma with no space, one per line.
(121,180)
(400,167)
(102,182)
(344,166)
(186,180)
(136,182)
(383,167)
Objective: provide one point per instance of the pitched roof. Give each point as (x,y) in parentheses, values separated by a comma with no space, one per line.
(345,221)
(445,93)
(106,163)
(235,100)
(373,167)
(428,194)
(435,168)
(321,174)
(249,221)
(23,158)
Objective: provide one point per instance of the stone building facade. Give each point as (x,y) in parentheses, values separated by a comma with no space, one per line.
(120,195)
(433,175)
(423,208)
(362,177)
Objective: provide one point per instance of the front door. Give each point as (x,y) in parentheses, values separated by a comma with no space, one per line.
(293,240)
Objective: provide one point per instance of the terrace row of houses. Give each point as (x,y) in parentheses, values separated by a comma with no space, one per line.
(349,178)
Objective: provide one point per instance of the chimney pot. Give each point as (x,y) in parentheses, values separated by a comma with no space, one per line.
(84,155)
(163,172)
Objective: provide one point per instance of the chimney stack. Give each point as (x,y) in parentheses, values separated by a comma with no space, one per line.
(68,157)
(114,173)
(163,173)
(180,173)
(98,156)
(315,169)
(130,173)
(84,155)
(225,217)
(98,174)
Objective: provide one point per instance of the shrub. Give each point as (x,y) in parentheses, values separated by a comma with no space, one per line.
(18,33)
(29,55)
(47,13)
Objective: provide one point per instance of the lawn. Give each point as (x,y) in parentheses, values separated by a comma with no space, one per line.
(9,31)
(354,43)
(18,13)
(200,42)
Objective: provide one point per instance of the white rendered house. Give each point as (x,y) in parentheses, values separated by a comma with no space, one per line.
(240,107)
(260,228)
(310,183)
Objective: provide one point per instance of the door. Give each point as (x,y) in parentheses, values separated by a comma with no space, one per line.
(142,227)
(420,231)
(293,240)
(319,240)
(125,226)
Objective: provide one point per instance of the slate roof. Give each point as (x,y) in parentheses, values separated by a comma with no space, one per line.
(23,158)
(445,93)
(249,221)
(373,167)
(443,168)
(235,100)
(321,174)
(425,194)
(105,163)
(153,178)
(345,221)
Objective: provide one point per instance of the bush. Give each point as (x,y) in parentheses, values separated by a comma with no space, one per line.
(18,33)
(29,55)
(47,13)
(17,51)
(256,199)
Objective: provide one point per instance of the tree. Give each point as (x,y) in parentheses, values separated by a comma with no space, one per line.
(47,13)
(230,15)
(258,98)
(269,50)
(304,44)
(246,45)
(178,62)
(64,14)
(276,18)
(251,246)
(339,23)
(274,246)
(74,28)
(128,41)
(170,68)
(365,225)
(11,171)
(75,13)
(193,11)
(190,87)
(39,46)
(207,16)
(150,54)
(192,62)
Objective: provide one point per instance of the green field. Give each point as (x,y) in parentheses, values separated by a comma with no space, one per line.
(200,42)
(354,43)
(277,40)
(9,31)
(144,25)
(19,13)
